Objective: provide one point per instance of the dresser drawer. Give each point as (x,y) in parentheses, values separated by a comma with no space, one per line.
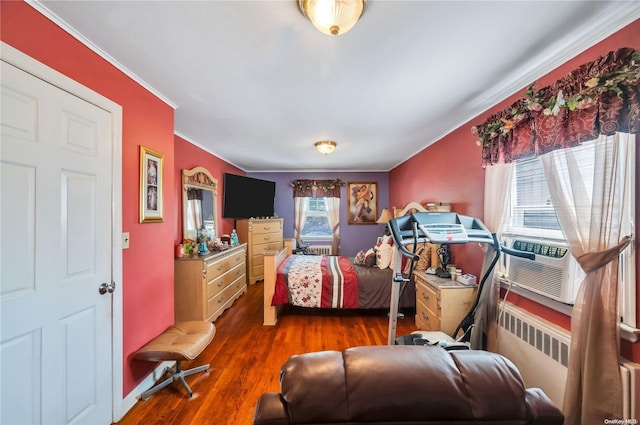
(260,238)
(426,320)
(259,249)
(215,268)
(221,282)
(219,300)
(261,226)
(427,296)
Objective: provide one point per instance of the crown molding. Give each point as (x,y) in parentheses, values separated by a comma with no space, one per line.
(82,39)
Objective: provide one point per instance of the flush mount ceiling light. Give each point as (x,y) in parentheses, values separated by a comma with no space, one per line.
(332,17)
(325,147)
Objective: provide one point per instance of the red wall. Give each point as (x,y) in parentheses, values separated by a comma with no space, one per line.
(454,174)
(148,264)
(188,156)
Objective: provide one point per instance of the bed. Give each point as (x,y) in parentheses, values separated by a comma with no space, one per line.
(328,282)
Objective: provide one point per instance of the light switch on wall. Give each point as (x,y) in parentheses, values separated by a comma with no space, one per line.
(125,240)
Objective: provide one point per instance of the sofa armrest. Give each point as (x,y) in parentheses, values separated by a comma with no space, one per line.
(541,408)
(270,410)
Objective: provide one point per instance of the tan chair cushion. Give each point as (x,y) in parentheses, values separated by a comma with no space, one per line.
(183,341)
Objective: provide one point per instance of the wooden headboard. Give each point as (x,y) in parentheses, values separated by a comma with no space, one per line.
(409,208)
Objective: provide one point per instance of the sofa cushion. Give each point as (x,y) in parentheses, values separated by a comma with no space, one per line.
(398,384)
(314,387)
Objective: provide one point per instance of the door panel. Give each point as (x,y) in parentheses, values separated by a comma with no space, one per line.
(56,251)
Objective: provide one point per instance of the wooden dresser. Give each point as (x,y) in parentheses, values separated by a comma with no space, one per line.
(260,235)
(441,304)
(206,286)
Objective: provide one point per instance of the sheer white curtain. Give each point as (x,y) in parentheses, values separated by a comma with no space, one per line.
(300,205)
(591,218)
(194,216)
(333,215)
(497,185)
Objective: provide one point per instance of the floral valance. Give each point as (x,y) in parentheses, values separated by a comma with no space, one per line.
(601,97)
(317,188)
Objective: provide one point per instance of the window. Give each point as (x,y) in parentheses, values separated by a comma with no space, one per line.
(316,225)
(531,213)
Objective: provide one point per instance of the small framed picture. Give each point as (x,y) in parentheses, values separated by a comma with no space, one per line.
(363,202)
(151,174)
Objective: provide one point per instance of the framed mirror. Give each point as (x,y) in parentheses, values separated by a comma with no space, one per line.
(199,199)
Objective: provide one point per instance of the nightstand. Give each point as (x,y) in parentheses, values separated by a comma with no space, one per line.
(441,304)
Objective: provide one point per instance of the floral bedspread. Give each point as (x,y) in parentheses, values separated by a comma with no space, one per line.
(316,281)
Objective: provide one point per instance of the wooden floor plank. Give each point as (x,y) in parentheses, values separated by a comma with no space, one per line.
(246,357)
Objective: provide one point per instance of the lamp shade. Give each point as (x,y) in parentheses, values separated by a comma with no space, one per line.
(325,147)
(385,216)
(332,17)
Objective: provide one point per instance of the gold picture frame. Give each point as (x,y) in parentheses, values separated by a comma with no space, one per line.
(151,178)
(363,202)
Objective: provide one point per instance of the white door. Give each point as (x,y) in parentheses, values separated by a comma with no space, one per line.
(55,218)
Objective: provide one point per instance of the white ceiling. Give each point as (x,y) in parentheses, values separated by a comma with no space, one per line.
(254,83)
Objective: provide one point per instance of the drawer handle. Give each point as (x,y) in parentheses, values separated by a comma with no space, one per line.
(424,316)
(267,227)
(220,284)
(425,296)
(220,300)
(219,267)
(267,238)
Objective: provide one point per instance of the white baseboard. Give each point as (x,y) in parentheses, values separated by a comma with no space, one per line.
(134,396)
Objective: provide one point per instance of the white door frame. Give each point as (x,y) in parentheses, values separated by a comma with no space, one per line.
(38,69)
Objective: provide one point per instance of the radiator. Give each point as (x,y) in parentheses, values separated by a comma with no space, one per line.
(320,249)
(540,350)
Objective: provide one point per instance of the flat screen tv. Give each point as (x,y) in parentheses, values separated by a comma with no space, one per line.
(247,197)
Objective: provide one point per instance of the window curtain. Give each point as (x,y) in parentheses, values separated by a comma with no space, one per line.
(299,215)
(598,98)
(498,179)
(333,214)
(194,209)
(497,183)
(591,219)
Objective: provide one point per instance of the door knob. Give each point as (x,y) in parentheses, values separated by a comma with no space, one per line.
(106,287)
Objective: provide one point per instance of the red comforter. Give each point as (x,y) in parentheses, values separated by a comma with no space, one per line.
(316,281)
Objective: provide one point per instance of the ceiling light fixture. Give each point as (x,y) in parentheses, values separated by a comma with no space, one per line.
(332,17)
(325,146)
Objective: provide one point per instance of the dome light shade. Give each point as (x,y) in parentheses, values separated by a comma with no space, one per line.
(332,17)
(325,146)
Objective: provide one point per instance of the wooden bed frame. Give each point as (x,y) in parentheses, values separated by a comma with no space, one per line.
(273,259)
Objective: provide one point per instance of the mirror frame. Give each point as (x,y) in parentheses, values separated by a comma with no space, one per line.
(199,178)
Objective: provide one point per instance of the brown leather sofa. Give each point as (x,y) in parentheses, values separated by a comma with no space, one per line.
(403,385)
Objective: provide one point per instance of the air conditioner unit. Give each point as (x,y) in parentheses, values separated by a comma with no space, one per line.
(554,273)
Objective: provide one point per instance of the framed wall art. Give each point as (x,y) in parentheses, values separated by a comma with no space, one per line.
(151,173)
(363,202)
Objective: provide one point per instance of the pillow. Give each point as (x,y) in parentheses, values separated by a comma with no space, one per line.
(425,258)
(384,255)
(407,263)
(383,240)
(370,258)
(359,258)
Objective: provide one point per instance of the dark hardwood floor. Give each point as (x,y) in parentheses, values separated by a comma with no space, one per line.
(246,357)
